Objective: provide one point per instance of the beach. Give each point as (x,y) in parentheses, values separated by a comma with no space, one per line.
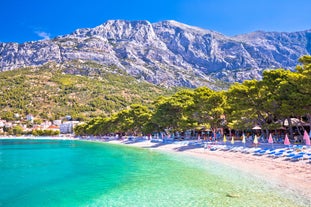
(293,176)
(288,178)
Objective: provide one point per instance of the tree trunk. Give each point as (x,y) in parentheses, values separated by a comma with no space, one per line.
(290,128)
(267,134)
(299,132)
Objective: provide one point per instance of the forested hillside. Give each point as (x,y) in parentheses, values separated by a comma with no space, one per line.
(51,92)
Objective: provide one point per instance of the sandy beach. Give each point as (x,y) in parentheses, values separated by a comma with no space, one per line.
(294,176)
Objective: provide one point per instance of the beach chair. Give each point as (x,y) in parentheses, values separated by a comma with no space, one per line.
(226,148)
(290,155)
(260,152)
(236,149)
(245,150)
(300,156)
(250,150)
(271,152)
(256,151)
(213,148)
(278,154)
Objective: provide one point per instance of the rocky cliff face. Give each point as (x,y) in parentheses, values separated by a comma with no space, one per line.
(167,53)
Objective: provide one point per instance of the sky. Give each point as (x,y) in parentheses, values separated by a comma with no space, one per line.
(30,20)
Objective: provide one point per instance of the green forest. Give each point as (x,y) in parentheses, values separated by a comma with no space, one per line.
(280,95)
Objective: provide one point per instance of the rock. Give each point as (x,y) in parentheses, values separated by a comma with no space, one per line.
(232,195)
(166,53)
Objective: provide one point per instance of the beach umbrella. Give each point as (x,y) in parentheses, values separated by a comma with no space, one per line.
(232,140)
(256,127)
(286,140)
(255,140)
(225,139)
(243,139)
(270,140)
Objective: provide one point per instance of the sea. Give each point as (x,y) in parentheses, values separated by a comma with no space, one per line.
(75,173)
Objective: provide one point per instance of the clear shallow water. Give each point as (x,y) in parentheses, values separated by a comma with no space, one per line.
(76,173)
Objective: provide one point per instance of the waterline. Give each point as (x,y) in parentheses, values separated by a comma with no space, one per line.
(75,173)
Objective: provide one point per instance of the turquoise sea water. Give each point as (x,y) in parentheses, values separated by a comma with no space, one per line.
(77,173)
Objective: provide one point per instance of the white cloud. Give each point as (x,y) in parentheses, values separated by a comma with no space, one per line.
(43,35)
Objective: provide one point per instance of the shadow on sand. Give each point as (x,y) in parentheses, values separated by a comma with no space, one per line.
(157,144)
(187,147)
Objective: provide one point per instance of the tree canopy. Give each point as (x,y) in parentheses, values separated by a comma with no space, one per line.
(281,94)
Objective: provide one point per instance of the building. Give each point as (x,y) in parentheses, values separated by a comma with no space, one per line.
(2,123)
(67,127)
(57,122)
(53,128)
(8,124)
(46,124)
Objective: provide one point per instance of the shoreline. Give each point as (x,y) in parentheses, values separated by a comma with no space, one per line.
(295,177)
(39,137)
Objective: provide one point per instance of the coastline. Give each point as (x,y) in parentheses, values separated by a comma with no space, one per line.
(38,137)
(295,177)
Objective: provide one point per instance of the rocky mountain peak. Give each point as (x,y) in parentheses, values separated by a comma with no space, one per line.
(166,53)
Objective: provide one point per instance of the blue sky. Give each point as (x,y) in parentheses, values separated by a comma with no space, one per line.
(30,20)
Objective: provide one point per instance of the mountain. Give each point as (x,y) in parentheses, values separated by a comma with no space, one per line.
(166,53)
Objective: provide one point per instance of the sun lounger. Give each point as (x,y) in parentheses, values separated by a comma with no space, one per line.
(245,150)
(226,148)
(222,147)
(289,156)
(257,151)
(278,154)
(271,152)
(213,148)
(250,150)
(277,151)
(288,152)
(260,152)
(236,149)
(297,157)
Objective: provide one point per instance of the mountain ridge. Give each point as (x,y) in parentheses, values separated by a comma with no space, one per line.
(166,53)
